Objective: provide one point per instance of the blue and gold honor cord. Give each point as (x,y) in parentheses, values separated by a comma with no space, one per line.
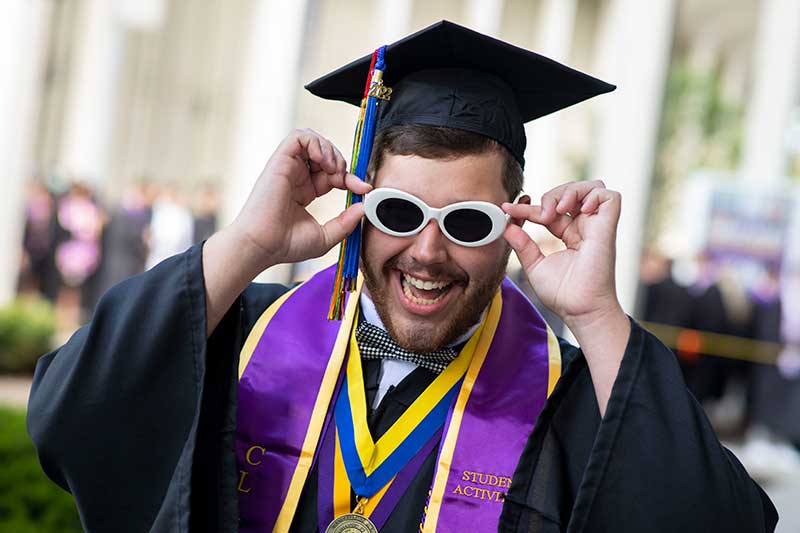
(370,465)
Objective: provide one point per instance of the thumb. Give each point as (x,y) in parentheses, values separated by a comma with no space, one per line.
(527,250)
(336,229)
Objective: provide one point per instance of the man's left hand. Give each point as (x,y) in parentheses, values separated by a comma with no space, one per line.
(578,283)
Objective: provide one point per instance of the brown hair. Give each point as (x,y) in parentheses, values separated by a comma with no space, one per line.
(443,143)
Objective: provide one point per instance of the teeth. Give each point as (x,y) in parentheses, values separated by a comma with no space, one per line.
(425,285)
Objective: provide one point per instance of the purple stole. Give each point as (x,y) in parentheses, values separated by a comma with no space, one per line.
(288,374)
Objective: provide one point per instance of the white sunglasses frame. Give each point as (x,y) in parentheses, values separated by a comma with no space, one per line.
(498,218)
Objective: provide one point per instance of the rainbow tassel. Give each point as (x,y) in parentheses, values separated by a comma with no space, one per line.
(350,249)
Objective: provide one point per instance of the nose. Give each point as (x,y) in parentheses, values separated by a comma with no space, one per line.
(430,245)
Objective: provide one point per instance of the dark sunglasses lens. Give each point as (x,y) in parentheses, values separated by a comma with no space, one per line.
(468,225)
(399,215)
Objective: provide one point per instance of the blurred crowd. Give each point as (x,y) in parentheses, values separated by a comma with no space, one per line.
(75,246)
(737,338)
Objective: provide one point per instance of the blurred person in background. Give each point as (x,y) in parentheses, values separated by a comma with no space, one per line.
(774,438)
(171,226)
(38,271)
(789,360)
(80,221)
(721,304)
(124,251)
(205,206)
(663,300)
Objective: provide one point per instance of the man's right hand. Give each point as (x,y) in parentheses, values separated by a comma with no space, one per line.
(274,220)
(274,225)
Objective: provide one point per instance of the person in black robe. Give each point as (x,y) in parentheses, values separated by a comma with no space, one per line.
(136,414)
(776,388)
(123,242)
(204,213)
(39,270)
(663,300)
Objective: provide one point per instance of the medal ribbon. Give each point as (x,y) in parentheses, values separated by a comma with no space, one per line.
(334,493)
(371,465)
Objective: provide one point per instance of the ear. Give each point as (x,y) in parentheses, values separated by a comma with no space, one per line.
(526,200)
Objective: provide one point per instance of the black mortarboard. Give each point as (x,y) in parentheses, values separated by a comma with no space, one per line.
(448,75)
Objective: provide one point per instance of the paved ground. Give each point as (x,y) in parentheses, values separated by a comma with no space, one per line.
(786,497)
(784,491)
(777,469)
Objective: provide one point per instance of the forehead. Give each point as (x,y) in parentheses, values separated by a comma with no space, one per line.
(442,182)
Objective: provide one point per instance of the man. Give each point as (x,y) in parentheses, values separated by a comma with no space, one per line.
(465,421)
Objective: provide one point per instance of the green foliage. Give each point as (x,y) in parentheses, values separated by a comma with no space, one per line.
(701,127)
(697,113)
(26,327)
(29,502)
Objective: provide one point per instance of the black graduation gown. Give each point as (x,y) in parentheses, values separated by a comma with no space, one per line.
(136,416)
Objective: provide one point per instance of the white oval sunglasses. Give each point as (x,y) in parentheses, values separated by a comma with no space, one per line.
(401,214)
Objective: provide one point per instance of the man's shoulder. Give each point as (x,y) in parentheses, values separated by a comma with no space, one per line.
(257,297)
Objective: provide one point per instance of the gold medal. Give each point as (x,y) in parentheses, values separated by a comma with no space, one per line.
(354,522)
(351,523)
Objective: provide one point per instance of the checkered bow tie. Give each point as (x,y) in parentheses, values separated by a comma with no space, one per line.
(375,343)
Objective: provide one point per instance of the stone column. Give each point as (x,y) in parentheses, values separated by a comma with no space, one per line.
(395,19)
(776,68)
(23,36)
(635,44)
(266,102)
(89,121)
(485,16)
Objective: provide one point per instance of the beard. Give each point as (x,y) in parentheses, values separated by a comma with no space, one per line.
(426,336)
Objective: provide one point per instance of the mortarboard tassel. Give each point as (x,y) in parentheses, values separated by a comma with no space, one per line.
(349,250)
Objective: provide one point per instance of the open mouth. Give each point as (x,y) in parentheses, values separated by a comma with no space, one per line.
(424,292)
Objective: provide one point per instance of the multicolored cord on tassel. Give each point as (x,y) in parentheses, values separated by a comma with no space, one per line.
(350,249)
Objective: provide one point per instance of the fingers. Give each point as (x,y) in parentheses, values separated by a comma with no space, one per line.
(527,250)
(341,162)
(356,184)
(568,198)
(336,229)
(560,207)
(321,156)
(599,199)
(326,164)
(315,150)
(524,211)
(323,183)
(555,223)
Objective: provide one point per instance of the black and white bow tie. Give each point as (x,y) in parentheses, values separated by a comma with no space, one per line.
(375,343)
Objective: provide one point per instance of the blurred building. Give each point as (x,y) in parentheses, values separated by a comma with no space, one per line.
(175,90)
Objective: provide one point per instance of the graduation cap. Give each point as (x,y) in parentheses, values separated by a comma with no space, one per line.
(449,75)
(446,75)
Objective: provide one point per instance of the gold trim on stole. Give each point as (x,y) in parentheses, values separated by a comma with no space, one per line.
(553,361)
(449,442)
(320,410)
